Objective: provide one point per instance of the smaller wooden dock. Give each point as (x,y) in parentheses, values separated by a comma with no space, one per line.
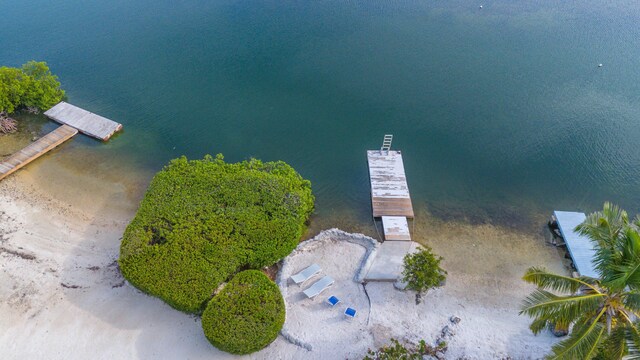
(73,119)
(389,191)
(581,248)
(86,122)
(36,149)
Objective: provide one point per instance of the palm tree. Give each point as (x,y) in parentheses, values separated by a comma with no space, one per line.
(603,311)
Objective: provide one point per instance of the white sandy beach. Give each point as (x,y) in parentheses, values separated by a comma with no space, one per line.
(62,297)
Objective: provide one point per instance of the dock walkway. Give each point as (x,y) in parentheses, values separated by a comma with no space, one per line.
(390,201)
(581,248)
(36,149)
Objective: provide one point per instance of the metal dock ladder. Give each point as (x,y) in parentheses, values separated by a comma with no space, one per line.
(386,143)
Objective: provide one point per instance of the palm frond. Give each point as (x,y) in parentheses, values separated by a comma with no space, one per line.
(616,344)
(623,275)
(604,226)
(636,221)
(631,301)
(626,270)
(583,343)
(546,280)
(632,242)
(603,259)
(538,325)
(543,305)
(632,338)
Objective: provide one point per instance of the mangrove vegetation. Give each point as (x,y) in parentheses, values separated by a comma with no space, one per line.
(203,221)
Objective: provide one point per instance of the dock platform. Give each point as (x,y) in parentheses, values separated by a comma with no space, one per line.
(389,191)
(36,149)
(86,122)
(580,248)
(395,228)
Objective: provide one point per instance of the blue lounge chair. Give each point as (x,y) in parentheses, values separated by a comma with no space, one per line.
(333,300)
(350,313)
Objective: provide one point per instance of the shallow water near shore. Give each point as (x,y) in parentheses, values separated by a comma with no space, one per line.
(501,113)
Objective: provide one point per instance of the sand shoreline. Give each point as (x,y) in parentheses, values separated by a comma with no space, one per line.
(62,296)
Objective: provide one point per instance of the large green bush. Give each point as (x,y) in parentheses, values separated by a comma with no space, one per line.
(32,86)
(201,221)
(246,315)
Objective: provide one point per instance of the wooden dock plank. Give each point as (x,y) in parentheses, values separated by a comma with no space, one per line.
(84,121)
(35,150)
(395,228)
(389,190)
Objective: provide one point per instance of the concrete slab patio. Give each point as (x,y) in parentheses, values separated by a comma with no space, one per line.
(387,265)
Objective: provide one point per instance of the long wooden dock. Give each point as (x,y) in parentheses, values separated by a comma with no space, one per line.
(391,201)
(85,121)
(36,149)
(389,191)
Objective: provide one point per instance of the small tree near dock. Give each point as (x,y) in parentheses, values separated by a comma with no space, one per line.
(422,271)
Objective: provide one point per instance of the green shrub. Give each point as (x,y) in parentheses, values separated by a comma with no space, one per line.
(399,351)
(201,221)
(31,86)
(246,315)
(422,270)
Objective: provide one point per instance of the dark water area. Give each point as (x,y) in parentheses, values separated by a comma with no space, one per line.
(502,113)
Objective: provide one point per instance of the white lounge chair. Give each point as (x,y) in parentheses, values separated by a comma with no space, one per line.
(306,274)
(318,287)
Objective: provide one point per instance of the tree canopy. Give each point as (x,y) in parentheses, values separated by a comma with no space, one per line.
(602,311)
(246,315)
(201,221)
(31,86)
(422,271)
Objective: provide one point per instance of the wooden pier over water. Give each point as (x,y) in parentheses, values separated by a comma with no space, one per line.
(389,190)
(390,201)
(86,122)
(36,149)
(73,119)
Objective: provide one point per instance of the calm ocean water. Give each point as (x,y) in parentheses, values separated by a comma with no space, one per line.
(501,112)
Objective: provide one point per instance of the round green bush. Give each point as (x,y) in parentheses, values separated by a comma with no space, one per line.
(246,315)
(201,221)
(422,270)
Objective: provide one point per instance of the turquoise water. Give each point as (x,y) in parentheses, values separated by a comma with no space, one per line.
(501,112)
